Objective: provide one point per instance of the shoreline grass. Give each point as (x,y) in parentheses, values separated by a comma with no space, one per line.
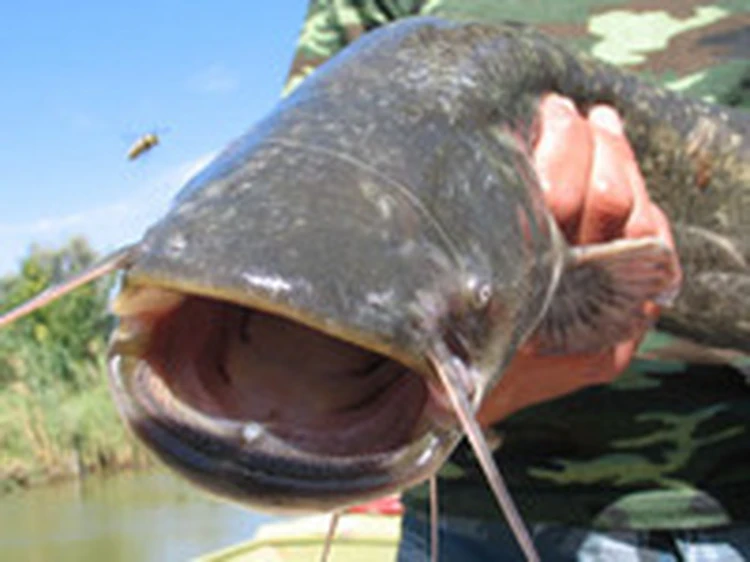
(57,419)
(59,434)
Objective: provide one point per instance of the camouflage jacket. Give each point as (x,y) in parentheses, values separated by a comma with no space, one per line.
(666,445)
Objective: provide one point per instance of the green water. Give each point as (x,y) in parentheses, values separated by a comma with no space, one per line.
(139,517)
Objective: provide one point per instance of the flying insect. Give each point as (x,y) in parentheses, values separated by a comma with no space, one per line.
(143,145)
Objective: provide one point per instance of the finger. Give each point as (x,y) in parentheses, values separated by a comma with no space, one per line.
(562,158)
(610,197)
(643,220)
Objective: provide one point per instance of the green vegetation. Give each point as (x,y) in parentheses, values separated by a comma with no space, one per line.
(56,416)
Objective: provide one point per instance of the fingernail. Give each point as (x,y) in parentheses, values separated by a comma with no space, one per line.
(606,118)
(561,104)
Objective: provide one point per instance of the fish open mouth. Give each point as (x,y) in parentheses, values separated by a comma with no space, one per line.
(318,393)
(268,388)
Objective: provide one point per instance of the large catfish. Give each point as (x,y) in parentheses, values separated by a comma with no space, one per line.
(303,328)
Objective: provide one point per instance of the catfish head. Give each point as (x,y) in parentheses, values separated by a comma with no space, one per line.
(276,327)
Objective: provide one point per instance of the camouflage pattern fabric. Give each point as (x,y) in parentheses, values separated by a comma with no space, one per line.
(667,445)
(699,47)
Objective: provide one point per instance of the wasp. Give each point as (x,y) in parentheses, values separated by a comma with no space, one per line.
(143,145)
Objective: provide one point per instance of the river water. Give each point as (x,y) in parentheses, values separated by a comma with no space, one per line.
(131,516)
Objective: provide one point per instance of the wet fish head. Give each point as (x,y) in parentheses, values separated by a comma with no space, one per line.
(276,326)
(285,365)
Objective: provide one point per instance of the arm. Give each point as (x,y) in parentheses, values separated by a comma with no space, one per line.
(330,25)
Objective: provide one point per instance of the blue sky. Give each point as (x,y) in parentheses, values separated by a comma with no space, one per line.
(82,80)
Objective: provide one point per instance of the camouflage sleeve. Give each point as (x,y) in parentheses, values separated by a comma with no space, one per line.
(699,47)
(330,25)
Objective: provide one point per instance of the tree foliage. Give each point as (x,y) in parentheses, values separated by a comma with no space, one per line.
(61,343)
(56,417)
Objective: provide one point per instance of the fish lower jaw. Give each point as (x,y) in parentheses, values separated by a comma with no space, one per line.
(275,470)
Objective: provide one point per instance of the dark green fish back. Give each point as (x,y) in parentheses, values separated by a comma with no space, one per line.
(698,47)
(695,156)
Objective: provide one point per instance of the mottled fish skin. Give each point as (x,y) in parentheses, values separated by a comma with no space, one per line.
(358,208)
(697,47)
(423,158)
(695,158)
(428,124)
(599,457)
(488,79)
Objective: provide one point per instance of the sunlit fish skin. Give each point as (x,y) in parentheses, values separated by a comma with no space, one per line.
(385,208)
(285,330)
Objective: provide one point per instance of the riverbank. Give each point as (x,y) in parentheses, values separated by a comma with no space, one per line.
(57,419)
(56,433)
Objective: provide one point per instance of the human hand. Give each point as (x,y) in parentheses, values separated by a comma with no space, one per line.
(593,187)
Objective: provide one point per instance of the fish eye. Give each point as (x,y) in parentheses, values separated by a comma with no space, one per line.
(480,292)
